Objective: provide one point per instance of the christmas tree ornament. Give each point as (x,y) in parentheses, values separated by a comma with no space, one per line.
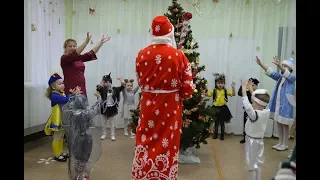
(33,27)
(91,11)
(200,118)
(177,34)
(188,43)
(175,10)
(195,91)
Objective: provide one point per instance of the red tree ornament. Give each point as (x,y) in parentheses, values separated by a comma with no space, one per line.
(175,10)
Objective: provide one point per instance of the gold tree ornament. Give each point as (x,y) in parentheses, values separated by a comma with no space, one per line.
(92,11)
(33,27)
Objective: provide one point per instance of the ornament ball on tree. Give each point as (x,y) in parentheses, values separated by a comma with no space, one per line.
(200,118)
(175,10)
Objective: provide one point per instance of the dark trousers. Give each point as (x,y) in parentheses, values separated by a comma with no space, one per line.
(216,126)
(245,115)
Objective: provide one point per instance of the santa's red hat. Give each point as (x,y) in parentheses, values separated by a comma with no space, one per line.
(161,26)
(162,30)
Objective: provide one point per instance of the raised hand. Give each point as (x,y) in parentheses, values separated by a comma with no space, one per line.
(97,94)
(105,39)
(258,61)
(121,80)
(77,90)
(244,83)
(233,84)
(249,84)
(88,37)
(276,60)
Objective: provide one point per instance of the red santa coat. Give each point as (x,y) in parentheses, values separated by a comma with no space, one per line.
(165,77)
(73,70)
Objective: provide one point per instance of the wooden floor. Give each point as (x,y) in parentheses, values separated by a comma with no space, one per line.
(115,162)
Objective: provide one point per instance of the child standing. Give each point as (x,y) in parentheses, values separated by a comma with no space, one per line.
(111,97)
(55,93)
(83,132)
(220,98)
(281,111)
(255,128)
(253,85)
(128,104)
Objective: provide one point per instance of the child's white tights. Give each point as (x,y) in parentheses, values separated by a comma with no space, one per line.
(283,133)
(255,174)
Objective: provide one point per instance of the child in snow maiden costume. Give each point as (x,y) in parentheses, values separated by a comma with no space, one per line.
(111,97)
(128,104)
(83,130)
(281,111)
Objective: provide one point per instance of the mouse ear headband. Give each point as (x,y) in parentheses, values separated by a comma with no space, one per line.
(131,80)
(219,76)
(259,91)
(126,81)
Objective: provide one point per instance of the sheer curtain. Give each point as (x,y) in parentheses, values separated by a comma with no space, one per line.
(44,32)
(254,27)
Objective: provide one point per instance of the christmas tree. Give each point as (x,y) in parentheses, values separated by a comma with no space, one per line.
(197,117)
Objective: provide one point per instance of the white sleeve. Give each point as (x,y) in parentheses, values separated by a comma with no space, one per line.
(252,114)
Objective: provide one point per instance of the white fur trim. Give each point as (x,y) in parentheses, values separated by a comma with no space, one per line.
(286,73)
(288,63)
(269,71)
(166,39)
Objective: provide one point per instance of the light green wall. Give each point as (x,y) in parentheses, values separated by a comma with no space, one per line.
(68,5)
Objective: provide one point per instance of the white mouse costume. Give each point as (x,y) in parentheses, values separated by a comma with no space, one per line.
(255,128)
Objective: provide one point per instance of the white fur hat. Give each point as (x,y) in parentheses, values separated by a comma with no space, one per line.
(290,62)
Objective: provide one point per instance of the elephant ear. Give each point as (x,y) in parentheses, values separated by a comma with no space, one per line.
(126,81)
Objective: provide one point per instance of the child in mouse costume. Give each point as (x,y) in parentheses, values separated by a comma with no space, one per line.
(83,128)
(128,104)
(220,98)
(111,97)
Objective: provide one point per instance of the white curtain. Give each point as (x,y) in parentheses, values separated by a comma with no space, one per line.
(254,27)
(44,33)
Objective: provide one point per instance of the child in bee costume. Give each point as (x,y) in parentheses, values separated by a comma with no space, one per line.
(128,103)
(83,130)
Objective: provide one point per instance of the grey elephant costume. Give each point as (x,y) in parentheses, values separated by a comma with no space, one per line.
(83,130)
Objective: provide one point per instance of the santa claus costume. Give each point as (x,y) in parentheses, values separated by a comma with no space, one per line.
(165,78)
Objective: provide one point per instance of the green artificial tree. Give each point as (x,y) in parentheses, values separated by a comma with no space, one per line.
(197,117)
